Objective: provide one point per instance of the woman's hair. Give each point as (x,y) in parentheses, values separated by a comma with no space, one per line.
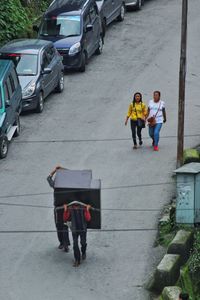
(135,97)
(157,92)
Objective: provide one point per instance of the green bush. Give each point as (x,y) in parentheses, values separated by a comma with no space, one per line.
(14,21)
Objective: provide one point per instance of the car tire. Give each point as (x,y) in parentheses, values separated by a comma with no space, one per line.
(17,123)
(3,146)
(122,13)
(60,86)
(40,104)
(139,5)
(83,63)
(100,47)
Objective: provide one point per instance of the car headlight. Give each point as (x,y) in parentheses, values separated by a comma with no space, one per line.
(29,90)
(75,49)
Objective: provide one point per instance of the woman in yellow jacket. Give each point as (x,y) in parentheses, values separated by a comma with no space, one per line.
(137,113)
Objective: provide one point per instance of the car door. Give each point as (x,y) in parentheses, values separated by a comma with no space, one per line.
(96,31)
(8,96)
(16,90)
(46,78)
(88,34)
(54,66)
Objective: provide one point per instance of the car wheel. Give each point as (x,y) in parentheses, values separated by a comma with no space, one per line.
(3,146)
(139,4)
(40,105)
(122,13)
(83,63)
(17,123)
(100,47)
(60,86)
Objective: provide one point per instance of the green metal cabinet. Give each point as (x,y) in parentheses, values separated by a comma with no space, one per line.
(188,194)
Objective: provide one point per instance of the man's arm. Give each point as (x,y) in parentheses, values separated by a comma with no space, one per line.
(50,177)
(66,214)
(87,214)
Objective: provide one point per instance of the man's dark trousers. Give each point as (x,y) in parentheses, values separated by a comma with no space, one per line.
(62,229)
(83,240)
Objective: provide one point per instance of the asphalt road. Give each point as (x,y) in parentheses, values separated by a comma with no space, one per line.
(84,129)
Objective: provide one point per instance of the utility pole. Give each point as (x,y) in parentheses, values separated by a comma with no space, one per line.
(182,76)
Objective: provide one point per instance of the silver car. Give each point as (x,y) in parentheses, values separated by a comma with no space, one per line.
(134,4)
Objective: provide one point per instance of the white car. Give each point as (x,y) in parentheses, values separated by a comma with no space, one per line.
(134,4)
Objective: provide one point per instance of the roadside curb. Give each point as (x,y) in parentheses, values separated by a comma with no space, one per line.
(168,270)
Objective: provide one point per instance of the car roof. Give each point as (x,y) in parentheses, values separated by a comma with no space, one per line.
(32,46)
(4,66)
(58,7)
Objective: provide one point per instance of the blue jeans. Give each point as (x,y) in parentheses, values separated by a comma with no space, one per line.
(154,133)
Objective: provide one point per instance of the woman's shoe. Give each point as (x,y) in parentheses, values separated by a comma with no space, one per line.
(66,249)
(76,264)
(156,148)
(60,246)
(141,143)
(135,147)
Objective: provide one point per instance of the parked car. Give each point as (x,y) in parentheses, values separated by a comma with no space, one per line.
(10,105)
(75,28)
(40,70)
(111,10)
(134,4)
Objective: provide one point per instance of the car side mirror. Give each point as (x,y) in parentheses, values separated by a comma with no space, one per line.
(35,28)
(89,27)
(46,71)
(7,103)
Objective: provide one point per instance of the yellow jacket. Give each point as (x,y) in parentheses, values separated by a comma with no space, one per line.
(138,111)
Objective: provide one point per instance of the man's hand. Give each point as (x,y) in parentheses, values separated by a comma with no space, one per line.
(58,167)
(88,207)
(65,207)
(165,120)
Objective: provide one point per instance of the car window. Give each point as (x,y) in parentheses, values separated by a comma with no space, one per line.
(45,61)
(6,93)
(93,12)
(12,83)
(87,19)
(9,86)
(15,78)
(61,26)
(50,53)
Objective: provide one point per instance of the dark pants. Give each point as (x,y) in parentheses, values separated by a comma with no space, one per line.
(134,128)
(62,229)
(83,239)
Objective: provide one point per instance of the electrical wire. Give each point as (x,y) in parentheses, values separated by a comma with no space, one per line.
(88,190)
(95,140)
(95,209)
(88,230)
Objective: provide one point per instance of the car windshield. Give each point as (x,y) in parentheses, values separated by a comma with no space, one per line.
(61,26)
(26,63)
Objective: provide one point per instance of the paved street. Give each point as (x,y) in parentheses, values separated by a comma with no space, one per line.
(83,128)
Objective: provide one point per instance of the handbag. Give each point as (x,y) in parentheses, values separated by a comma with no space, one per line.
(140,122)
(152,120)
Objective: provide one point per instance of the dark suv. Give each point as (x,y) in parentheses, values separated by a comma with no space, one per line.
(39,67)
(75,28)
(10,105)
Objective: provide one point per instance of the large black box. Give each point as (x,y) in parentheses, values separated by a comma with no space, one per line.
(76,185)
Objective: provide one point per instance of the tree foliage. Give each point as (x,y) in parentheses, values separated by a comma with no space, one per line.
(17,16)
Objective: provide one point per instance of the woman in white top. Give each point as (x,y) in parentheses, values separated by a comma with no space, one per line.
(156,117)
